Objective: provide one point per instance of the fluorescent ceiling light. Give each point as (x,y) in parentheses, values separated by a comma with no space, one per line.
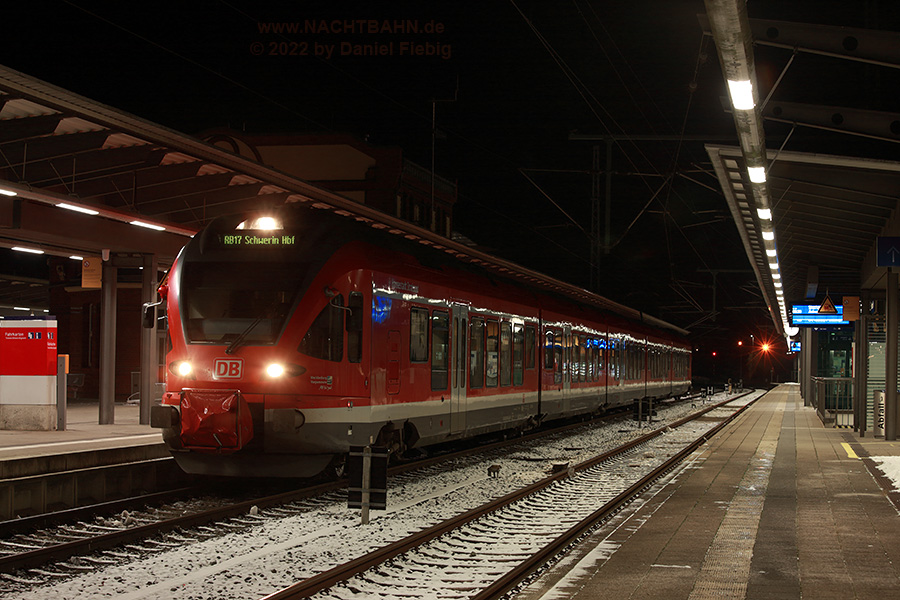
(73,257)
(777,284)
(757,174)
(771,252)
(780,293)
(773,265)
(768,235)
(29,250)
(741,94)
(20,308)
(776,275)
(148,225)
(87,211)
(764,213)
(7,192)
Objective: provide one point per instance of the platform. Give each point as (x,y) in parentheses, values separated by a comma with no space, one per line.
(84,443)
(776,506)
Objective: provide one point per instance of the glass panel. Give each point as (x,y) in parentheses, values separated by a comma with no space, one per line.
(418,334)
(440,345)
(325,337)
(493,356)
(505,354)
(476,353)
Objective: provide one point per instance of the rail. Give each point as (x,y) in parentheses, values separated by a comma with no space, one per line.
(833,400)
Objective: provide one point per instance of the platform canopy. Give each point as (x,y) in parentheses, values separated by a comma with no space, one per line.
(812,185)
(79,177)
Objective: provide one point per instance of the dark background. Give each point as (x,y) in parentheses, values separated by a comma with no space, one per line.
(508,84)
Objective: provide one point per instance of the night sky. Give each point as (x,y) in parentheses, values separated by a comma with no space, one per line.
(512,80)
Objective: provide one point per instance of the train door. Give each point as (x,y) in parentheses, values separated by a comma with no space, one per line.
(567,369)
(459,350)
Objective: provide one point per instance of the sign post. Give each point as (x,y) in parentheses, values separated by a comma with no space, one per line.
(367,471)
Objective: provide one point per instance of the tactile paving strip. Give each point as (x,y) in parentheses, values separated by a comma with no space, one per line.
(726,568)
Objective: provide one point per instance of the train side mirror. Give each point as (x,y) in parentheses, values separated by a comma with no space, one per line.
(148,316)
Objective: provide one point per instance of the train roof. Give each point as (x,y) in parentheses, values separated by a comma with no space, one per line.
(434,250)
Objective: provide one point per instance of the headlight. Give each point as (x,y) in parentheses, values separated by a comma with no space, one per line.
(275,370)
(181,368)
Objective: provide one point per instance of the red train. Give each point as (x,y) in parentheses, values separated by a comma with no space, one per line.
(294,336)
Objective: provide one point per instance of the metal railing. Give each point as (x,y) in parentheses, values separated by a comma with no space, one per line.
(833,400)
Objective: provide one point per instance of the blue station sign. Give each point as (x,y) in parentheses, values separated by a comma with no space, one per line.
(808,314)
(888,252)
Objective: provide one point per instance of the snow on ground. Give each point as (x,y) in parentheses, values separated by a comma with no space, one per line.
(261,559)
(890,466)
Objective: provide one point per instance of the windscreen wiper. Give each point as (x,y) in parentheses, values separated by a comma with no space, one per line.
(239,340)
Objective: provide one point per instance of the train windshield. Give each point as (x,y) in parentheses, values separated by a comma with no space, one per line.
(224,301)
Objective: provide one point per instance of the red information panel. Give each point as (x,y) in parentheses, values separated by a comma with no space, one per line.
(28,348)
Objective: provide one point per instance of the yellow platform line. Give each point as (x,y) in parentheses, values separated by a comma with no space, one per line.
(850,452)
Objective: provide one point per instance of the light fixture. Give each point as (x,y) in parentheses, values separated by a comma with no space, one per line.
(73,257)
(8,192)
(28,250)
(764,213)
(773,265)
(768,235)
(21,308)
(148,225)
(757,174)
(776,275)
(81,209)
(777,284)
(771,252)
(275,370)
(741,94)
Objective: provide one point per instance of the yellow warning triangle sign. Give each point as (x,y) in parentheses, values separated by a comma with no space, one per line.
(827,307)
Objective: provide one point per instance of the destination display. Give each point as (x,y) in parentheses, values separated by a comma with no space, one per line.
(808,314)
(252,239)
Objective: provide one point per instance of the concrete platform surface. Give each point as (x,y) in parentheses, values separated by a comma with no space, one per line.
(82,433)
(776,506)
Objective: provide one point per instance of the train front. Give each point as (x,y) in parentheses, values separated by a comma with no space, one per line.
(235,380)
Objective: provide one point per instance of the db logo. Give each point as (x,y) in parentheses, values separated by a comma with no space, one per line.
(228,368)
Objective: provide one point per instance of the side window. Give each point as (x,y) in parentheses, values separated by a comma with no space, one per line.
(505,354)
(440,350)
(558,360)
(493,353)
(529,346)
(354,327)
(476,353)
(418,334)
(325,337)
(548,350)
(518,354)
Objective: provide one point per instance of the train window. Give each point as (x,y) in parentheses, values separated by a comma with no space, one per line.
(220,300)
(476,353)
(505,354)
(529,346)
(325,337)
(548,351)
(418,334)
(493,356)
(440,350)
(581,358)
(518,354)
(354,327)
(558,362)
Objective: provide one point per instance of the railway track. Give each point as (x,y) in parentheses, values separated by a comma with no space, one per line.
(486,552)
(77,549)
